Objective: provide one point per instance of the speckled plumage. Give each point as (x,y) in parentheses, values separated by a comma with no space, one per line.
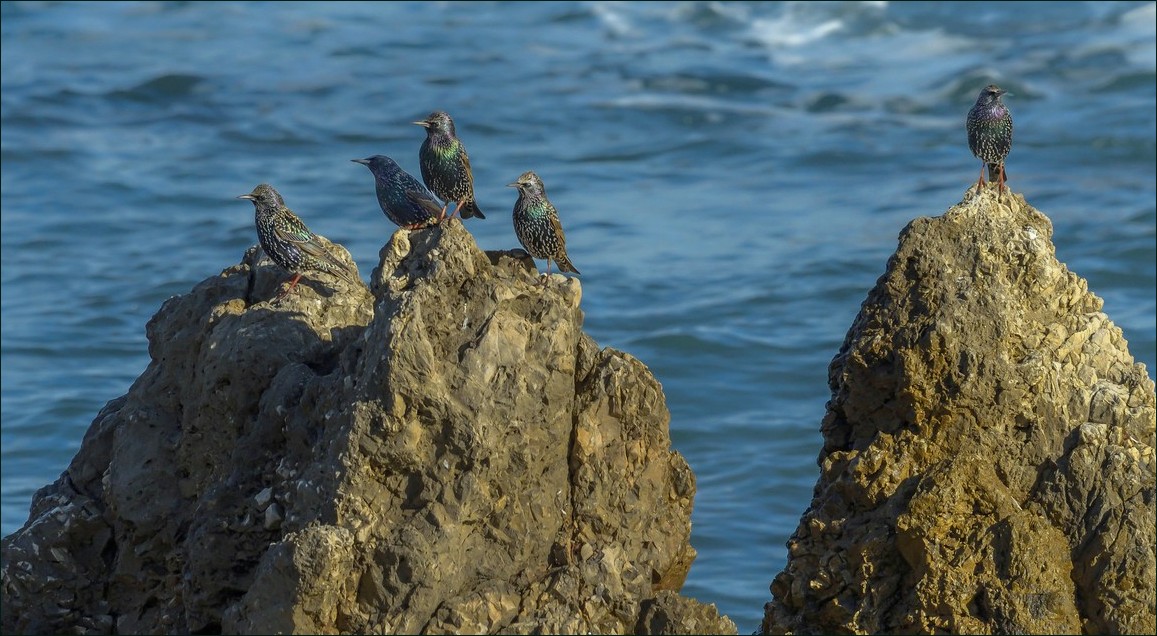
(403,198)
(536,223)
(989,126)
(287,240)
(446,166)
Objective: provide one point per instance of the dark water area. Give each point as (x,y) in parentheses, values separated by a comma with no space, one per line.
(732,178)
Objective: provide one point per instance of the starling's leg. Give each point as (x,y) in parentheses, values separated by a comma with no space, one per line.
(980,182)
(1001,186)
(292,284)
(457,209)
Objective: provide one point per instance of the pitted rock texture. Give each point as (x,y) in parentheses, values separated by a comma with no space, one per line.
(988,460)
(447,453)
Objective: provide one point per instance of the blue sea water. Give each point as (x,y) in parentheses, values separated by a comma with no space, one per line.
(732,178)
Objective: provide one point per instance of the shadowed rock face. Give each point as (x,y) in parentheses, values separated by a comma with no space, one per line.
(447,453)
(988,460)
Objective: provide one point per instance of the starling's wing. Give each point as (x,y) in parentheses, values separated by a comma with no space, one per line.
(426,163)
(973,128)
(471,207)
(427,202)
(469,173)
(556,228)
(1004,139)
(294,231)
(291,228)
(560,256)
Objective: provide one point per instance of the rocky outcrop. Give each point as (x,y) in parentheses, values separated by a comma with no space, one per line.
(988,460)
(445,452)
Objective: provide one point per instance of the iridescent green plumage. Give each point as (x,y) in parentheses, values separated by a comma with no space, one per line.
(288,242)
(536,223)
(446,166)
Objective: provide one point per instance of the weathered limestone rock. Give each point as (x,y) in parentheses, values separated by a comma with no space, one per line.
(447,453)
(988,461)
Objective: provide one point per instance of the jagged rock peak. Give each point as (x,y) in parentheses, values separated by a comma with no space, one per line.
(988,459)
(443,451)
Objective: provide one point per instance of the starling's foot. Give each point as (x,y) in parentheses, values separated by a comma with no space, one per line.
(458,209)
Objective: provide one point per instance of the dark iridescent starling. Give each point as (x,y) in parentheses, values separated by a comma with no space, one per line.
(403,198)
(536,223)
(989,127)
(288,242)
(445,165)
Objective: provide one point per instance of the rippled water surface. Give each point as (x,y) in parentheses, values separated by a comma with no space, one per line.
(732,178)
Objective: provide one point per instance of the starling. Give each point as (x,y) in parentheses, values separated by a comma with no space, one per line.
(989,127)
(288,242)
(536,223)
(445,165)
(403,198)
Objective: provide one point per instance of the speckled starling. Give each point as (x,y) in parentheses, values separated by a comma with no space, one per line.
(989,126)
(287,240)
(536,223)
(446,166)
(403,198)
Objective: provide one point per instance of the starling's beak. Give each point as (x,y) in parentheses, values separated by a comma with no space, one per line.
(248,196)
(364,162)
(512,185)
(423,124)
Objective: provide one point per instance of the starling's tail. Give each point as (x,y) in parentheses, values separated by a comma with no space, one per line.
(471,209)
(564,264)
(994,172)
(342,271)
(348,276)
(338,268)
(331,263)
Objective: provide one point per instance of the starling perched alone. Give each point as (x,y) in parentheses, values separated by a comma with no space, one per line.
(403,198)
(536,223)
(445,165)
(288,242)
(989,127)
